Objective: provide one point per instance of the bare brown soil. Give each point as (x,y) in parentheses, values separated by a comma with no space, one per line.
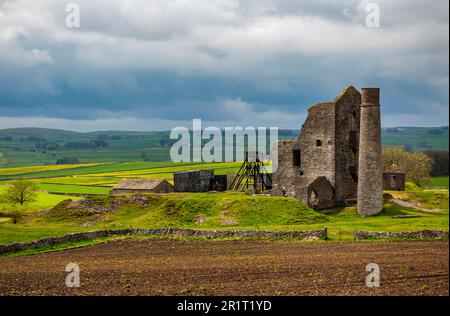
(242,267)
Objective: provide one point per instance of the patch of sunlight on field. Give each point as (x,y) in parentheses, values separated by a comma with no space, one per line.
(155,172)
(82,180)
(43,200)
(33,169)
(73,189)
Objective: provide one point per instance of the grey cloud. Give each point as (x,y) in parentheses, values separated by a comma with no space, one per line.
(172,61)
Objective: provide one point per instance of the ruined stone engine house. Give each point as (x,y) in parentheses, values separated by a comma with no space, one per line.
(322,166)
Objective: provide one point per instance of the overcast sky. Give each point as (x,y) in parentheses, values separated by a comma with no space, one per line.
(157,64)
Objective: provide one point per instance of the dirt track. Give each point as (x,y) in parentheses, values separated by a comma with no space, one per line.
(244,267)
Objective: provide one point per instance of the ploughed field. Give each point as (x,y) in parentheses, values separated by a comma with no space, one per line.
(232,267)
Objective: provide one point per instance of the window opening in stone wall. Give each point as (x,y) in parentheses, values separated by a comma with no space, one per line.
(296,158)
(353,173)
(353,141)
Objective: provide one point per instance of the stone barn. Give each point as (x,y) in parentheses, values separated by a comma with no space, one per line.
(139,186)
(322,166)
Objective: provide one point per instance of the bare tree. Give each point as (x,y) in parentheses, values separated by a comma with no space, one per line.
(21,192)
(416,165)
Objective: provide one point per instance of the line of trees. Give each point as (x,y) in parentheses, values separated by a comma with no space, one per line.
(67,161)
(53,146)
(440,162)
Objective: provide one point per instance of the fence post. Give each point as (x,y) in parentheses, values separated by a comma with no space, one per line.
(325,233)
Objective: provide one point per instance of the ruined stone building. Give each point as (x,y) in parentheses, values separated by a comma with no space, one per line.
(322,166)
(199,181)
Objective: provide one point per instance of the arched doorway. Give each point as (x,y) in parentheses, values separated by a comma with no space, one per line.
(320,194)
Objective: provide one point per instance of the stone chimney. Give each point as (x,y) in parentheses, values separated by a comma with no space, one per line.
(370,173)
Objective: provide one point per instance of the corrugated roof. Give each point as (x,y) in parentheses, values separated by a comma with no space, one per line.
(138,184)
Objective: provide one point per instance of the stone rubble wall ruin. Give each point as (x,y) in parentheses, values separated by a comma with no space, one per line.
(328,146)
(340,153)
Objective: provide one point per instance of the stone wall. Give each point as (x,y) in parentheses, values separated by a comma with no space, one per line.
(316,159)
(193,181)
(286,174)
(422,234)
(76,237)
(341,142)
(329,148)
(347,145)
(317,141)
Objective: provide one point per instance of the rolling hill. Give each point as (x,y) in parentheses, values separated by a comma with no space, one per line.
(37,146)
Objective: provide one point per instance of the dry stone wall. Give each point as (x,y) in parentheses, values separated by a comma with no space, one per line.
(76,237)
(421,234)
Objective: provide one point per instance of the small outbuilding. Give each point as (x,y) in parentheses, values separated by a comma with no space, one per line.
(139,186)
(194,181)
(394,181)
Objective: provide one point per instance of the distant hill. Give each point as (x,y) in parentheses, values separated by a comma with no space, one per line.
(41,146)
(33,131)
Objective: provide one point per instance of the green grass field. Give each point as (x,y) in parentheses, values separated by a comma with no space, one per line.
(437,183)
(44,201)
(73,189)
(3,160)
(36,170)
(125,169)
(417,138)
(97,179)
(196,210)
(221,211)
(23,146)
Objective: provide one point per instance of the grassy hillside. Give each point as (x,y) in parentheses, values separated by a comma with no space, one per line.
(34,146)
(186,210)
(196,210)
(217,211)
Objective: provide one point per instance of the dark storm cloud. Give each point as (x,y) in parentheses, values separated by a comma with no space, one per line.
(261,62)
